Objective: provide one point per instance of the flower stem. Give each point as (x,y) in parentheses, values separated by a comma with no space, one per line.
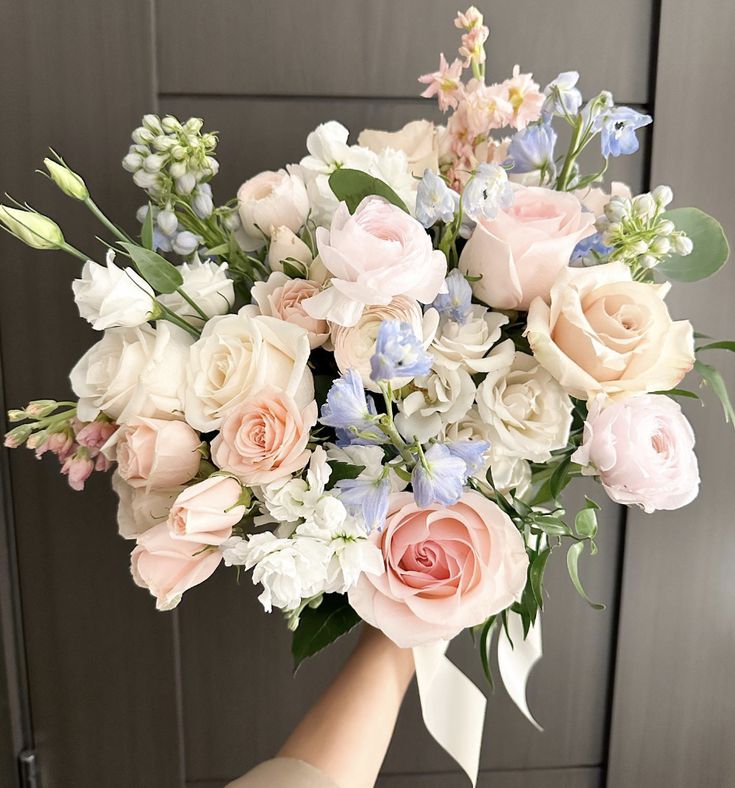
(119,234)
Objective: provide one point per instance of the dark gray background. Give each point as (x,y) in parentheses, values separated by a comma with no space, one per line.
(111,693)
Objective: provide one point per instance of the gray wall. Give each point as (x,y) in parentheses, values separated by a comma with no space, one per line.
(122,696)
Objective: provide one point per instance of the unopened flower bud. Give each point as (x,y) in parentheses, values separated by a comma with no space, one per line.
(146,180)
(16,415)
(194,125)
(154,163)
(170,124)
(186,243)
(132,162)
(614,210)
(152,123)
(648,261)
(39,408)
(34,229)
(178,169)
(209,140)
(178,152)
(163,144)
(167,221)
(661,246)
(68,181)
(644,205)
(232,221)
(665,227)
(142,212)
(639,247)
(683,245)
(212,165)
(662,195)
(142,136)
(186,183)
(17,436)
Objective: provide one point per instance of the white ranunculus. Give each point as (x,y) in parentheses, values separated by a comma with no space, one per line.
(133,372)
(110,296)
(442,397)
(467,344)
(238,355)
(139,509)
(526,411)
(354,346)
(208,285)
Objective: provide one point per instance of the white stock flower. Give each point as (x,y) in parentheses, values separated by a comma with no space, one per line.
(526,411)
(110,296)
(139,509)
(133,372)
(208,285)
(371,458)
(467,344)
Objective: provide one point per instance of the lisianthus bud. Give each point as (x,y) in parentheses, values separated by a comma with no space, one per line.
(32,228)
(68,181)
(40,408)
(16,415)
(132,162)
(152,123)
(141,136)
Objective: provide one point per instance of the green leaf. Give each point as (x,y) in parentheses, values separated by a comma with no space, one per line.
(293,271)
(146,233)
(560,478)
(585,523)
(678,393)
(343,470)
(573,568)
(710,252)
(352,186)
(219,250)
(161,275)
(485,639)
(724,344)
(320,626)
(536,575)
(711,377)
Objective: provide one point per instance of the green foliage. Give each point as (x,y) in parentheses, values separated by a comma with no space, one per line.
(712,378)
(486,636)
(575,550)
(678,393)
(352,186)
(161,275)
(146,233)
(710,252)
(322,625)
(343,470)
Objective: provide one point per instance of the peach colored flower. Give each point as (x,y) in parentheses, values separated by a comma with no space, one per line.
(445,83)
(525,97)
(207,511)
(446,568)
(265,438)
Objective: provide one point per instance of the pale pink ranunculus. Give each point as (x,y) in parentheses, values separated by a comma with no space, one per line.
(269,200)
(167,567)
(642,448)
(417,139)
(207,511)
(446,568)
(375,254)
(604,333)
(265,438)
(155,453)
(520,252)
(283,297)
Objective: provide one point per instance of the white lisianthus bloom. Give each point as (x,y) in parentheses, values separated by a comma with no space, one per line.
(139,509)
(110,296)
(208,285)
(527,413)
(238,355)
(354,346)
(467,344)
(133,372)
(442,397)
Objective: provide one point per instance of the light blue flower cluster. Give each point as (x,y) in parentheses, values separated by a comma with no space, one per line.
(562,96)
(435,201)
(618,130)
(367,498)
(456,303)
(398,353)
(442,471)
(487,192)
(350,411)
(532,149)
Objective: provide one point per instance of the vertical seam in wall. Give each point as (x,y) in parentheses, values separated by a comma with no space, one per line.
(656,15)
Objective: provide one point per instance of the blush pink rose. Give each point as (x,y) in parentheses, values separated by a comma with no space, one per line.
(446,568)
(642,448)
(167,567)
(265,438)
(520,252)
(377,253)
(155,453)
(207,511)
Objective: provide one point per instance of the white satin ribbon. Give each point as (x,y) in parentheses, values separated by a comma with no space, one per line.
(516,661)
(453,708)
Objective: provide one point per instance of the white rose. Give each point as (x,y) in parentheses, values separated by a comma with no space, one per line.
(207,284)
(443,397)
(238,355)
(526,411)
(354,346)
(110,296)
(467,344)
(139,509)
(269,200)
(133,372)
(417,139)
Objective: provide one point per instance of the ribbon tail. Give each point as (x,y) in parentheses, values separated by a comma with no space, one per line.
(453,708)
(516,661)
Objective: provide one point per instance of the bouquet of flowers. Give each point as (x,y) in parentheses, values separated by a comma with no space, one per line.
(371,375)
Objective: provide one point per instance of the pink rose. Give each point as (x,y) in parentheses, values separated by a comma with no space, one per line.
(155,453)
(167,567)
(207,511)
(447,568)
(265,438)
(642,448)
(377,253)
(284,298)
(520,252)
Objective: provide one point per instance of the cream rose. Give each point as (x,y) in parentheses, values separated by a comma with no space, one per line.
(605,333)
(133,372)
(208,285)
(355,345)
(236,357)
(283,298)
(526,412)
(467,344)
(139,509)
(264,439)
(417,139)
(519,253)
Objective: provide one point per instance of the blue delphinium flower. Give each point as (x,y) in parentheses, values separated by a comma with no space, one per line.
(438,477)
(435,201)
(348,408)
(398,353)
(471,452)
(367,498)
(590,249)
(457,301)
(486,192)
(562,96)
(617,130)
(532,149)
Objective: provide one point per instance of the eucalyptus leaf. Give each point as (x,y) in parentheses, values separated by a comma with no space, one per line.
(353,186)
(573,567)
(320,626)
(724,344)
(146,233)
(712,377)
(710,251)
(161,275)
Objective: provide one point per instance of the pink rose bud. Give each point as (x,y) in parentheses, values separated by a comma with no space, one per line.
(61,444)
(78,468)
(207,511)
